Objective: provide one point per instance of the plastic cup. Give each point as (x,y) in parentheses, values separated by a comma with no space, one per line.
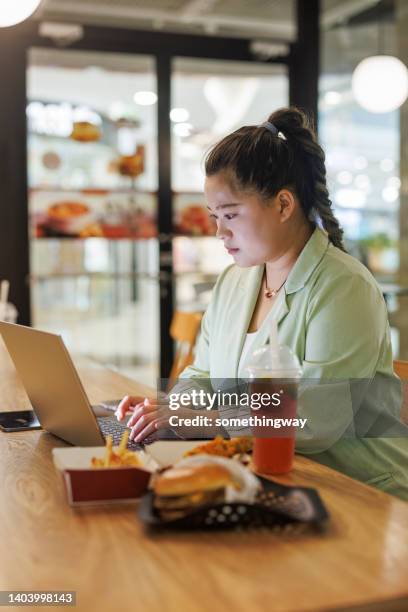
(275,373)
(8,313)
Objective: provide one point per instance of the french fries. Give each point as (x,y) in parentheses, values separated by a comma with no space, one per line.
(120,458)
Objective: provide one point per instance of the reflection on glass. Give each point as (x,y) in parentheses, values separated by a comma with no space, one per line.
(363,159)
(103,297)
(219,97)
(212,98)
(362,150)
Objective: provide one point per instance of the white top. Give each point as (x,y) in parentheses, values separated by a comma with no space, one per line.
(245,354)
(250,339)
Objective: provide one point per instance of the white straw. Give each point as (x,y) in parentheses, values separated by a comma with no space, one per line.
(4,291)
(273,335)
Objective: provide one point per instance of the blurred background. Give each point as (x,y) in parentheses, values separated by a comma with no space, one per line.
(108,112)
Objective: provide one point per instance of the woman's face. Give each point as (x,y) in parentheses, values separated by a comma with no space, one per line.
(252,230)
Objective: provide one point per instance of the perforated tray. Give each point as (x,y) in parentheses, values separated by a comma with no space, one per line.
(277,506)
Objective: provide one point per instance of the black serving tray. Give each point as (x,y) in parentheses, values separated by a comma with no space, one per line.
(277,506)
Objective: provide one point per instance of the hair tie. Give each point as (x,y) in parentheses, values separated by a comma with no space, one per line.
(273,129)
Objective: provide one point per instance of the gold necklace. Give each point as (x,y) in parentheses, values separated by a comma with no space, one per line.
(271,293)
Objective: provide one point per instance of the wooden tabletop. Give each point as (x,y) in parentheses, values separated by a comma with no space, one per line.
(359,561)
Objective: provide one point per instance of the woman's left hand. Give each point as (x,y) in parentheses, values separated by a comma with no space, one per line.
(148,416)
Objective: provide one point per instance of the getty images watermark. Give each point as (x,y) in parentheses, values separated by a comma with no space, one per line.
(201,399)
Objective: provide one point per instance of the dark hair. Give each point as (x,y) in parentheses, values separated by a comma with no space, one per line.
(266,162)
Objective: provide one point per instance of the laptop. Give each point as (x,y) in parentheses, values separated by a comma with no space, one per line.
(55,389)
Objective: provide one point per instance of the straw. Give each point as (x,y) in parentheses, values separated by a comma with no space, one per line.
(4,291)
(273,338)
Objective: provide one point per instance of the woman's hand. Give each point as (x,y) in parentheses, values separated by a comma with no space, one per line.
(128,404)
(148,416)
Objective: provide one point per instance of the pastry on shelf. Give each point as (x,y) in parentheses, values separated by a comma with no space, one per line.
(193,220)
(68,217)
(94,230)
(84,131)
(132,165)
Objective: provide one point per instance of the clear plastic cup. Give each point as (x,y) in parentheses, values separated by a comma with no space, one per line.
(275,372)
(8,313)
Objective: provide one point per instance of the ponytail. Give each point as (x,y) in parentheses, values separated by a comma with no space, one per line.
(287,156)
(299,132)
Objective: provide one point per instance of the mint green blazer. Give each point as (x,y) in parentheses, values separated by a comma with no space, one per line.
(333,316)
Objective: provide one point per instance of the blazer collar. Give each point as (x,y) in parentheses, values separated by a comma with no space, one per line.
(306,263)
(250,284)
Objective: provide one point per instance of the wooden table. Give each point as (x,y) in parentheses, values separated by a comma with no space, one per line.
(359,562)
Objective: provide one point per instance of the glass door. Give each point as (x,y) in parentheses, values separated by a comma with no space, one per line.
(92,168)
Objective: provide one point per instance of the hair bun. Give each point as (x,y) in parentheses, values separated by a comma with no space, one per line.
(290,119)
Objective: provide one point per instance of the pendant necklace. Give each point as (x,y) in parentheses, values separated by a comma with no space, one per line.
(270,293)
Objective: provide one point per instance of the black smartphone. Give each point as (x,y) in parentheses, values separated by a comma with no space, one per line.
(19,420)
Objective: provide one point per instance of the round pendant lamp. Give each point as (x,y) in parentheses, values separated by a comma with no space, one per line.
(16,11)
(380,83)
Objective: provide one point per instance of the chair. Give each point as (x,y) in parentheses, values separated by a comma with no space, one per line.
(184,329)
(401,370)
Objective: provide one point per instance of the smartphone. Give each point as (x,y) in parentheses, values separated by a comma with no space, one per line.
(104,409)
(19,420)
(110,405)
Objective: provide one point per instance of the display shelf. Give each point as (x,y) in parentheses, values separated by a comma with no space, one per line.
(103,190)
(95,275)
(91,190)
(204,276)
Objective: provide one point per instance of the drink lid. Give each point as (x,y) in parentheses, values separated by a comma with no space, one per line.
(274,361)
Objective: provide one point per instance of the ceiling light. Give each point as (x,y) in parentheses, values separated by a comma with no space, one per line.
(145,98)
(362,181)
(350,198)
(183,129)
(389,194)
(332,98)
(179,115)
(387,165)
(360,162)
(380,83)
(344,177)
(13,12)
(230,99)
(189,150)
(394,181)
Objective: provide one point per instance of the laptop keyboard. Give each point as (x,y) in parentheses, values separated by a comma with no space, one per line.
(111,426)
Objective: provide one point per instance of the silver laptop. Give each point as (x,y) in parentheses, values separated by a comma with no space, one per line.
(55,389)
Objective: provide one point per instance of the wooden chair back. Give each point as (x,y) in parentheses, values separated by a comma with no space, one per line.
(184,329)
(401,370)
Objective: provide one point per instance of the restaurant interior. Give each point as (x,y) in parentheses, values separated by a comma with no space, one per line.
(107,110)
(143,247)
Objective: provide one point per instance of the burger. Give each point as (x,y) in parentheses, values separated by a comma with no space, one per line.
(201,481)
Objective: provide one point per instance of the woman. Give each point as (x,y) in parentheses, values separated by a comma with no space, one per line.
(266,189)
